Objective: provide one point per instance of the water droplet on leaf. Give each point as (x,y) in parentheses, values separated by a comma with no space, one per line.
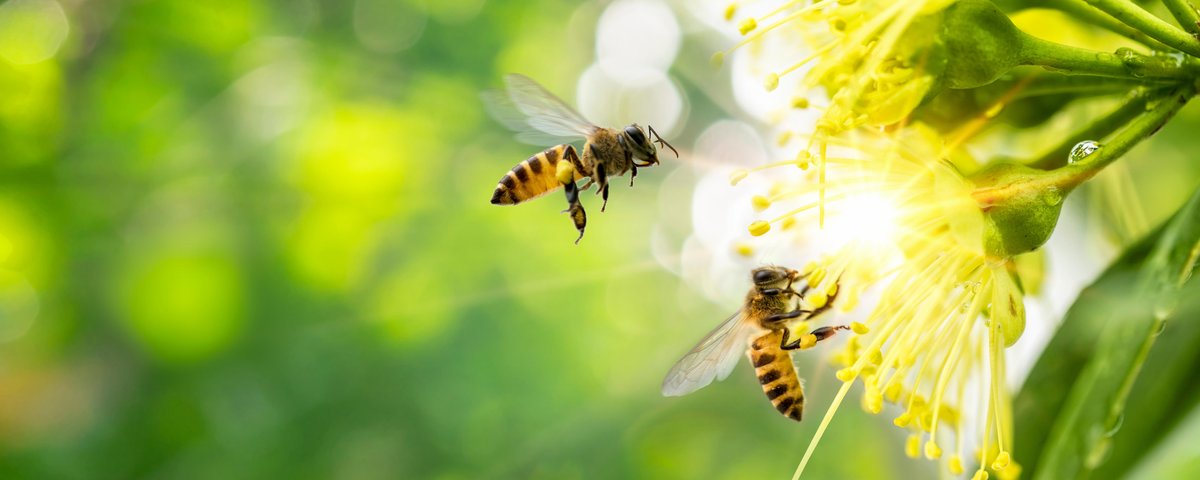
(1082,149)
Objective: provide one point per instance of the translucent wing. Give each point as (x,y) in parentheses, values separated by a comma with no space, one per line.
(713,357)
(528,107)
(501,108)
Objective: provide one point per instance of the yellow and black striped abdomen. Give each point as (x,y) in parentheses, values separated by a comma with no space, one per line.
(531,178)
(777,374)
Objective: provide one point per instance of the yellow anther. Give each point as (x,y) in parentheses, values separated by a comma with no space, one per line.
(788,223)
(759,228)
(816,276)
(717,59)
(876,358)
(1001,462)
(903,420)
(850,302)
(847,374)
(873,400)
(832,290)
(932,451)
(743,249)
(817,300)
(760,203)
(912,447)
(859,328)
(808,268)
(771,82)
(893,391)
(800,103)
(783,138)
(735,177)
(803,159)
(748,25)
(955,465)
(1013,472)
(801,326)
(980,475)
(730,11)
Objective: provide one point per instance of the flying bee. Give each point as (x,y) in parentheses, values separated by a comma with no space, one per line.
(761,327)
(607,152)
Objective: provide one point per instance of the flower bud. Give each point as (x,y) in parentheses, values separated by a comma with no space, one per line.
(1020,211)
(981,43)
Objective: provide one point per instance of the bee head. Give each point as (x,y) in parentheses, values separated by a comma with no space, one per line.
(772,279)
(641,144)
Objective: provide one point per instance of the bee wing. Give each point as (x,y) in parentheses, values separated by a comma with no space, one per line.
(528,107)
(713,357)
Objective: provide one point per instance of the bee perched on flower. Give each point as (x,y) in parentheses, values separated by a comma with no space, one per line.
(908,201)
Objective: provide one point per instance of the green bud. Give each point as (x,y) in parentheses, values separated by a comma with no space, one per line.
(981,43)
(1019,212)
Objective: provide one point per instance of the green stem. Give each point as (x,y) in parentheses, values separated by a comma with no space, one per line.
(1130,14)
(1079,9)
(1069,176)
(1056,156)
(1125,64)
(1185,14)
(1066,178)
(1047,83)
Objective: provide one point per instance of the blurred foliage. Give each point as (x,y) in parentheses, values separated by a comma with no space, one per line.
(1109,361)
(250,239)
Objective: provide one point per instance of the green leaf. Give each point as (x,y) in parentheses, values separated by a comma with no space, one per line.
(1129,320)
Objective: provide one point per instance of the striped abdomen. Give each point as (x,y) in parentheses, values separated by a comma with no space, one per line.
(777,374)
(531,178)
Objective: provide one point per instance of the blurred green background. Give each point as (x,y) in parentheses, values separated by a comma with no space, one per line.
(251,239)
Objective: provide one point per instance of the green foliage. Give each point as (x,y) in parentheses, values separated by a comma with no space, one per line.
(1081,393)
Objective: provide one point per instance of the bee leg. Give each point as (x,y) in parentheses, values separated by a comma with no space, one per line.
(632,174)
(810,339)
(575,209)
(779,317)
(587,185)
(566,176)
(602,180)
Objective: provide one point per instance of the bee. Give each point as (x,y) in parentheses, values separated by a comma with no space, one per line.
(760,326)
(607,152)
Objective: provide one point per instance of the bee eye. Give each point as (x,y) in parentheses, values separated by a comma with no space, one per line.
(636,134)
(765,276)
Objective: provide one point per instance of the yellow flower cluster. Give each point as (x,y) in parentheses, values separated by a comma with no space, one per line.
(908,225)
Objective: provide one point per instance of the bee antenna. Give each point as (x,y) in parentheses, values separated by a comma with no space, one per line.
(661,141)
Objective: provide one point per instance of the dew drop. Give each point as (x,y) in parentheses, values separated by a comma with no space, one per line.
(1082,149)
(1135,64)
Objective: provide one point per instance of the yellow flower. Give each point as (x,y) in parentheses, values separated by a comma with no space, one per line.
(902,217)
(875,59)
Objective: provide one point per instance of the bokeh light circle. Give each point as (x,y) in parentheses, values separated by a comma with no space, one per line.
(31,30)
(635,34)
